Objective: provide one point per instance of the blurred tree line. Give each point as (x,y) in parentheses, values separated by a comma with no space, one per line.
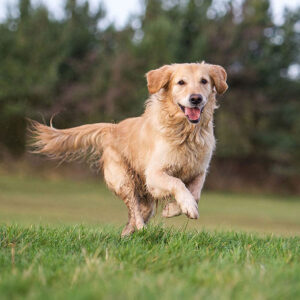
(88,73)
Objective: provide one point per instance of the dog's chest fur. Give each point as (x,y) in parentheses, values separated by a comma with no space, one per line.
(190,159)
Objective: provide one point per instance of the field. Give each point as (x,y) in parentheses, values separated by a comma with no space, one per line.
(32,200)
(60,239)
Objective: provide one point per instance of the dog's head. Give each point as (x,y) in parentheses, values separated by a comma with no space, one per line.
(189,86)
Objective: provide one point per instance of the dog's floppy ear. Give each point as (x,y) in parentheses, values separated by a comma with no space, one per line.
(158,78)
(219,77)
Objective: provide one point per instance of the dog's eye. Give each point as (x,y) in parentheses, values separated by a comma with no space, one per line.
(203,81)
(181,82)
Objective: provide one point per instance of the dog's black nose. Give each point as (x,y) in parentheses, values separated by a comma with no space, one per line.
(195,99)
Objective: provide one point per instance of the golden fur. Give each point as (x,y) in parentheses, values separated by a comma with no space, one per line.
(157,155)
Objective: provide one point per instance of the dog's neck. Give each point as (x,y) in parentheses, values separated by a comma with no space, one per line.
(174,126)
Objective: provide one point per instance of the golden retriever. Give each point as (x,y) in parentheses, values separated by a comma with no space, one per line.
(165,152)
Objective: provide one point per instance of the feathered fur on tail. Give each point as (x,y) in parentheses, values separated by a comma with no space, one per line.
(70,144)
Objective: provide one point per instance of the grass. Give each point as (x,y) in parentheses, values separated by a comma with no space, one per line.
(81,262)
(45,254)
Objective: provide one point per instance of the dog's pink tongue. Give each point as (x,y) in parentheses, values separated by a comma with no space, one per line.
(192,113)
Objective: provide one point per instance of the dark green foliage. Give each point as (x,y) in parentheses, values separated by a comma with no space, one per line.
(89,74)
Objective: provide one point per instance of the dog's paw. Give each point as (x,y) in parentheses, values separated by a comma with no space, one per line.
(172,209)
(128,230)
(140,225)
(189,206)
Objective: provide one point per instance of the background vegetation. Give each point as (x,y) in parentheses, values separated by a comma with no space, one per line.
(88,73)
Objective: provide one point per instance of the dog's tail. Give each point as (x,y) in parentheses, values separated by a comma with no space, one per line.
(70,144)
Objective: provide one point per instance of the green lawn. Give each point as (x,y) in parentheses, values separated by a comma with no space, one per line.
(81,262)
(60,239)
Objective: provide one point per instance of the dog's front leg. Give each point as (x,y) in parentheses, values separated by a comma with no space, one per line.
(172,209)
(195,186)
(160,184)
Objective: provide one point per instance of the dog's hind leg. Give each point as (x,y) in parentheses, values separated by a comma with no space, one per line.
(118,179)
(135,218)
(130,226)
(147,207)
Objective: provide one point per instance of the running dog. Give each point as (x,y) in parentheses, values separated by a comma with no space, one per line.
(161,154)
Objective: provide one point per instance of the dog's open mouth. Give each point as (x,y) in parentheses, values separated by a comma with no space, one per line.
(192,113)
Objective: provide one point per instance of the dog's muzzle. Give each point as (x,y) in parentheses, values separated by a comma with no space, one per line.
(193,114)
